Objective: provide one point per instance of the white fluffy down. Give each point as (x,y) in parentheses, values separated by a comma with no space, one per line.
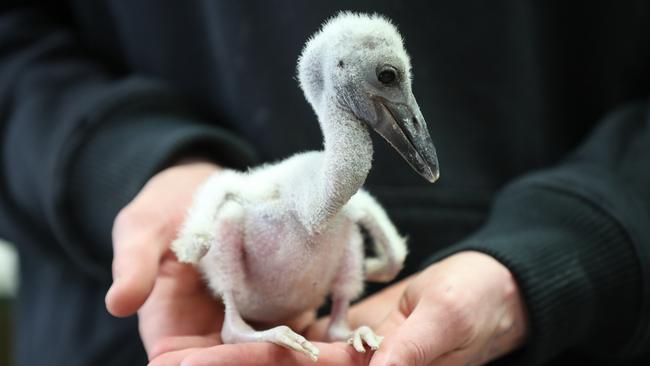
(276,240)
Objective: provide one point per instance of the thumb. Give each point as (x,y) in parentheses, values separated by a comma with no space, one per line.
(136,258)
(417,341)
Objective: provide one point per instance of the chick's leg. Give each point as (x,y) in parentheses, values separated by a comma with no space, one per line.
(347,285)
(235,330)
(339,329)
(229,277)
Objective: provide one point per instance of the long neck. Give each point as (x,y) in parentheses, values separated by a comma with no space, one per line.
(343,169)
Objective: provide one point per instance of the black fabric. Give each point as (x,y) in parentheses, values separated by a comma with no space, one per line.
(539,112)
(576,239)
(60,314)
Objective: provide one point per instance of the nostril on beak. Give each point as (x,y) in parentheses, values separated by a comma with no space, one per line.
(415,122)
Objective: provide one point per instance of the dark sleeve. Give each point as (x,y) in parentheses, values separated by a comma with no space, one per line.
(79,140)
(577,240)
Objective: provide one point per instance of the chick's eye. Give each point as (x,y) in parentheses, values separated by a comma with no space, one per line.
(387,75)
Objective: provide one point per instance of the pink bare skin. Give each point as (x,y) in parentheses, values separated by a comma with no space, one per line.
(464,310)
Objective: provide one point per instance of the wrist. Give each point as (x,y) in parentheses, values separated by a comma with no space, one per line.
(490,289)
(512,326)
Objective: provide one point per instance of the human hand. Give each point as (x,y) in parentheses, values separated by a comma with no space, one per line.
(172,303)
(175,309)
(464,310)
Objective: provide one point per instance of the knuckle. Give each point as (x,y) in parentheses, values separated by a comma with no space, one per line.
(457,305)
(160,347)
(414,354)
(135,218)
(406,304)
(121,223)
(127,217)
(122,216)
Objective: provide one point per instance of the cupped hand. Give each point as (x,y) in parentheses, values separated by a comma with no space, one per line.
(176,312)
(174,307)
(463,310)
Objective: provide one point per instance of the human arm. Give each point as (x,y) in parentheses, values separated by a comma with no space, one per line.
(81,135)
(576,239)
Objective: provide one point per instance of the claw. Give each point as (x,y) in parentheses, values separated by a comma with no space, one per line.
(357,343)
(287,338)
(191,250)
(365,335)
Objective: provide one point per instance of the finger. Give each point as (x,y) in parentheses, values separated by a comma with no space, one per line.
(172,344)
(263,354)
(418,341)
(480,352)
(371,311)
(172,358)
(137,253)
(458,358)
(318,330)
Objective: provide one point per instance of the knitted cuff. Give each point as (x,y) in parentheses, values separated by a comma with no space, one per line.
(574,265)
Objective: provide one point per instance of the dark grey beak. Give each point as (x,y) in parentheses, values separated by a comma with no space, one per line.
(403,126)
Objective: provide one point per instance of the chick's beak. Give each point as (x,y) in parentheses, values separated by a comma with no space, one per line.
(402,125)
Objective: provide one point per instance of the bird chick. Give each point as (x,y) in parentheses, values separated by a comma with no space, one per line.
(275,241)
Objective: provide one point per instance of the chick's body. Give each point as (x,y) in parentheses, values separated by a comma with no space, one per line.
(287,270)
(273,242)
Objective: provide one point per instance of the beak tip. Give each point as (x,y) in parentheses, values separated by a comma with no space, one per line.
(435,176)
(432,175)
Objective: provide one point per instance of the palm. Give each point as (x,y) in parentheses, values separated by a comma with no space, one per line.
(180,312)
(198,350)
(176,312)
(464,310)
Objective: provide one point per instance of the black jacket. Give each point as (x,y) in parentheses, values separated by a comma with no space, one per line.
(539,111)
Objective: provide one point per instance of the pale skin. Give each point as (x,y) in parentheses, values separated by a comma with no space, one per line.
(464,310)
